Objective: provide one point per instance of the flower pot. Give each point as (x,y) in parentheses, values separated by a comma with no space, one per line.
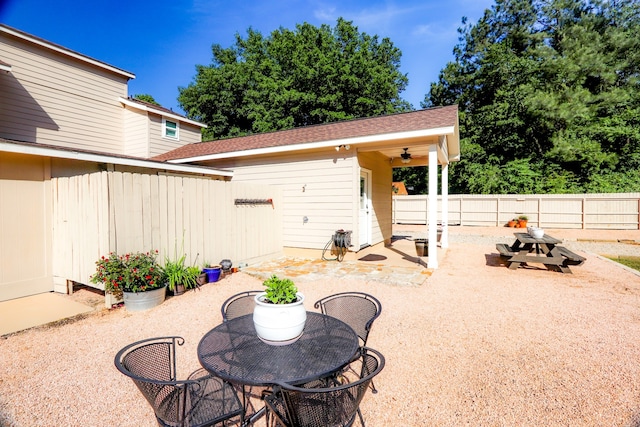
(422,247)
(178,289)
(141,301)
(279,324)
(213,274)
(512,223)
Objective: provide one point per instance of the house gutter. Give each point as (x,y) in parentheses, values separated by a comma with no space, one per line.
(34,150)
(360,140)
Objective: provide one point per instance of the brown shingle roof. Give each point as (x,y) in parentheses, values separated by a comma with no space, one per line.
(402,122)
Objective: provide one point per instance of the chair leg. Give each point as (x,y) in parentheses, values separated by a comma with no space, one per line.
(374,390)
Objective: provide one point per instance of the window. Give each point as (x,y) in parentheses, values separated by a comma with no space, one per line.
(170,129)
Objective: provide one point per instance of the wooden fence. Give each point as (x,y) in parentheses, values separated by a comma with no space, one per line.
(208,220)
(620,211)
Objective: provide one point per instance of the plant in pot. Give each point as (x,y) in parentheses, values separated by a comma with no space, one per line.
(279,315)
(180,277)
(522,221)
(512,222)
(134,277)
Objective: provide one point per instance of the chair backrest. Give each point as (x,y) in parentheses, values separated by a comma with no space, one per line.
(356,309)
(239,305)
(330,406)
(151,364)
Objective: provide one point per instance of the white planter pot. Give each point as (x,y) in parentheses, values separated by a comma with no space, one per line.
(279,324)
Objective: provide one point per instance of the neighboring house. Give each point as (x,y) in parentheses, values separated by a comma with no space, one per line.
(65,114)
(338,175)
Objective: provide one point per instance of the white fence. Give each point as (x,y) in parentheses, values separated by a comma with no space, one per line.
(206,219)
(619,211)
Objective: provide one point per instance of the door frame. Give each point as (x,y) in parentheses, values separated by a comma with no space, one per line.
(365,240)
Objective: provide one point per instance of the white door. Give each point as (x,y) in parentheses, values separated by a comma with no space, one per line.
(365,208)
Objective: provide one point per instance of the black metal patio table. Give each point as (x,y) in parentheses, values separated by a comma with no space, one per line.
(233,351)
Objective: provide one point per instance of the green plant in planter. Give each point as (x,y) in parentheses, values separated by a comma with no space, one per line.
(132,272)
(177,273)
(280,291)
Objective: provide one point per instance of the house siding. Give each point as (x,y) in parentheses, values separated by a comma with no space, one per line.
(318,186)
(53,99)
(25,226)
(188,134)
(136,131)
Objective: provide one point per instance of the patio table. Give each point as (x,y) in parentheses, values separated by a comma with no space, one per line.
(233,351)
(544,250)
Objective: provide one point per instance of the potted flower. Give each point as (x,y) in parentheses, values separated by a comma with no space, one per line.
(512,222)
(522,221)
(134,277)
(279,315)
(179,276)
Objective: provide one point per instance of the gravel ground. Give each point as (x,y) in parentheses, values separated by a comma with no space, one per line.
(477,344)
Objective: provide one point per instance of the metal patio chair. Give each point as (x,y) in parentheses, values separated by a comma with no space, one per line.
(357,309)
(238,305)
(335,404)
(200,400)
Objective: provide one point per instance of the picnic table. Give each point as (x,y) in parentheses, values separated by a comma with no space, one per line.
(544,250)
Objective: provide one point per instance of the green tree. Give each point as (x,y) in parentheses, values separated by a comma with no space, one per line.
(146,98)
(292,78)
(549,94)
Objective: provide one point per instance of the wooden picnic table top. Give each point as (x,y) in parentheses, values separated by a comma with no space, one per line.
(546,239)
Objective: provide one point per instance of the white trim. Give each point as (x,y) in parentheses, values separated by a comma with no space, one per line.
(176,117)
(66,52)
(6,68)
(102,158)
(321,144)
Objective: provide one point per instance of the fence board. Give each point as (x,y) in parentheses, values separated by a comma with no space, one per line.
(95,214)
(593,211)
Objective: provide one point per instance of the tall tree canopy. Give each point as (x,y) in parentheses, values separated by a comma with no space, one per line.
(549,97)
(294,78)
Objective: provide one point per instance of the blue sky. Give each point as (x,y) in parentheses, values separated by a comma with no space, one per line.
(162,41)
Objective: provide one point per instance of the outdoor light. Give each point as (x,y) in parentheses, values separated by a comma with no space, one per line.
(406,157)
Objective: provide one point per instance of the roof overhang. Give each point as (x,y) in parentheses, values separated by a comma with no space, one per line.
(38,150)
(369,143)
(159,112)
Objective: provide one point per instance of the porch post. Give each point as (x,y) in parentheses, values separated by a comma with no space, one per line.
(432,211)
(444,240)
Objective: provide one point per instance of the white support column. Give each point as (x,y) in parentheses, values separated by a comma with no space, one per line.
(432,213)
(444,240)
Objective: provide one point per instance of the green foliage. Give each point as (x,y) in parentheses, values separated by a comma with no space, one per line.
(132,272)
(292,78)
(177,273)
(146,98)
(280,291)
(549,97)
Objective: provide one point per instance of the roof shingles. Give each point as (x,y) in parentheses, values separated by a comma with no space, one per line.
(402,122)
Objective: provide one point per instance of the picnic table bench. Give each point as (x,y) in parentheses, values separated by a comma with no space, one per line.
(544,250)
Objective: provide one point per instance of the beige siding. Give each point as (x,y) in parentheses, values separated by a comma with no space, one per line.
(136,133)
(53,99)
(112,211)
(317,186)
(25,226)
(188,134)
